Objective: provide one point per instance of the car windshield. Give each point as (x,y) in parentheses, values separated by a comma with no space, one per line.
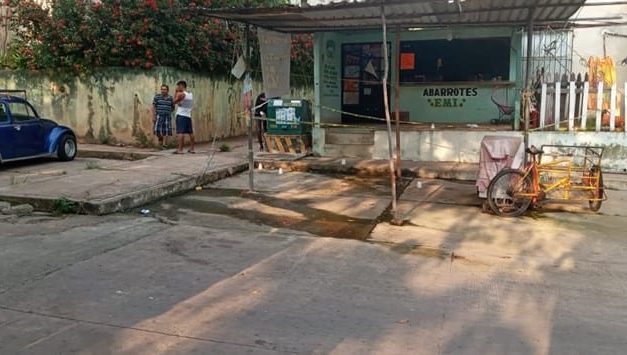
(21,111)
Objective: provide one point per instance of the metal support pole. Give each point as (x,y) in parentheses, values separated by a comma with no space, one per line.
(249,116)
(397,102)
(388,119)
(527,88)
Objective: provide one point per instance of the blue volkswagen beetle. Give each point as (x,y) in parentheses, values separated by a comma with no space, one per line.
(25,135)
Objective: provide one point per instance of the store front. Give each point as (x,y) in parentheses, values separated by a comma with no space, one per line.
(455,74)
(446,76)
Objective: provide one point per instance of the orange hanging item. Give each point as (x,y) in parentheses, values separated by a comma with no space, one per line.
(600,70)
(608,71)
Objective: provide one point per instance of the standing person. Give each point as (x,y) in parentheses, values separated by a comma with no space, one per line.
(185,102)
(162,108)
(261,110)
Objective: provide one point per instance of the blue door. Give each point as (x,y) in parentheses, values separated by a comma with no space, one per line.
(6,134)
(28,131)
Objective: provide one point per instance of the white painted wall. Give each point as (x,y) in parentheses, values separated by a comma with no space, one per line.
(589,41)
(614,156)
(464,147)
(435,145)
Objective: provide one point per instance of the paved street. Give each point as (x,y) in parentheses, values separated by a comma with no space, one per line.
(331,203)
(216,271)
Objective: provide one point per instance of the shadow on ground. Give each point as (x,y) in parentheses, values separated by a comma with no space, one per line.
(454,281)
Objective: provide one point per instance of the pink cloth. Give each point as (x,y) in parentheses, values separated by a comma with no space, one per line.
(497,153)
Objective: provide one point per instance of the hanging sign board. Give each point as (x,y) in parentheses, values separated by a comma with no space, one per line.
(275,50)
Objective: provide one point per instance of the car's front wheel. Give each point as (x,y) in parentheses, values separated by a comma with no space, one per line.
(67,148)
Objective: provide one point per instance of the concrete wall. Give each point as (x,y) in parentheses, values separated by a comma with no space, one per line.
(460,146)
(464,146)
(113,106)
(435,145)
(614,156)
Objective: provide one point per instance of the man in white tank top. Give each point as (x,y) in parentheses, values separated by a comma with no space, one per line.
(185,102)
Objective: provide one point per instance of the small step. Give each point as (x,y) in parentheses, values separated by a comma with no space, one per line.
(349,150)
(359,137)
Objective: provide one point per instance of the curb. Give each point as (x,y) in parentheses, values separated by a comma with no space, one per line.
(114,155)
(459,171)
(455,171)
(133,199)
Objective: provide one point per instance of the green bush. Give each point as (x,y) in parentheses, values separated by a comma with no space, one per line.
(81,36)
(65,206)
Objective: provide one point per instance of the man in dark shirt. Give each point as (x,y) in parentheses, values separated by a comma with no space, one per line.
(261,110)
(162,107)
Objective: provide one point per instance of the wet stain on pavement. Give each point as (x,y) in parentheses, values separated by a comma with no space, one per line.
(413,249)
(315,221)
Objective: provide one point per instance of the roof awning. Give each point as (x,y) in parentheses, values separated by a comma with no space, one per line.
(366,14)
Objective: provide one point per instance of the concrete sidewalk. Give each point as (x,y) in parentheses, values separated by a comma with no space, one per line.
(106,179)
(111,179)
(413,169)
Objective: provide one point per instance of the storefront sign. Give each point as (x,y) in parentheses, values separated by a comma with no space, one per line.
(448,92)
(330,71)
(330,80)
(448,97)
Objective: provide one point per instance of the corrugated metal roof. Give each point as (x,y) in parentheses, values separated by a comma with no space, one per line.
(408,13)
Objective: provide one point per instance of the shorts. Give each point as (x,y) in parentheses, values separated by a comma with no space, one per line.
(163,125)
(184,125)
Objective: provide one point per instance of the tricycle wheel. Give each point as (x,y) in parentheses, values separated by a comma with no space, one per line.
(67,148)
(595,205)
(505,190)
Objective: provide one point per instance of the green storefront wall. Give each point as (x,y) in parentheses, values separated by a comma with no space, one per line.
(443,102)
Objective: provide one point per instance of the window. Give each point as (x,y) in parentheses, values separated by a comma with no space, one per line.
(551,54)
(4,118)
(21,111)
(457,60)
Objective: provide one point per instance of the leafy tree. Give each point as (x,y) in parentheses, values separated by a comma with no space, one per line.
(82,35)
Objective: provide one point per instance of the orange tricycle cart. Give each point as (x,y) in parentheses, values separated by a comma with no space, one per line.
(554,172)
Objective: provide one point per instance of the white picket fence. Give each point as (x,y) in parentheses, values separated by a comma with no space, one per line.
(564,105)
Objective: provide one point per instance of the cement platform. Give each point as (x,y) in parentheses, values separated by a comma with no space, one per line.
(105,179)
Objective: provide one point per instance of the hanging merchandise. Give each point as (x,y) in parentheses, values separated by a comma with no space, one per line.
(593,64)
(601,70)
(607,70)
